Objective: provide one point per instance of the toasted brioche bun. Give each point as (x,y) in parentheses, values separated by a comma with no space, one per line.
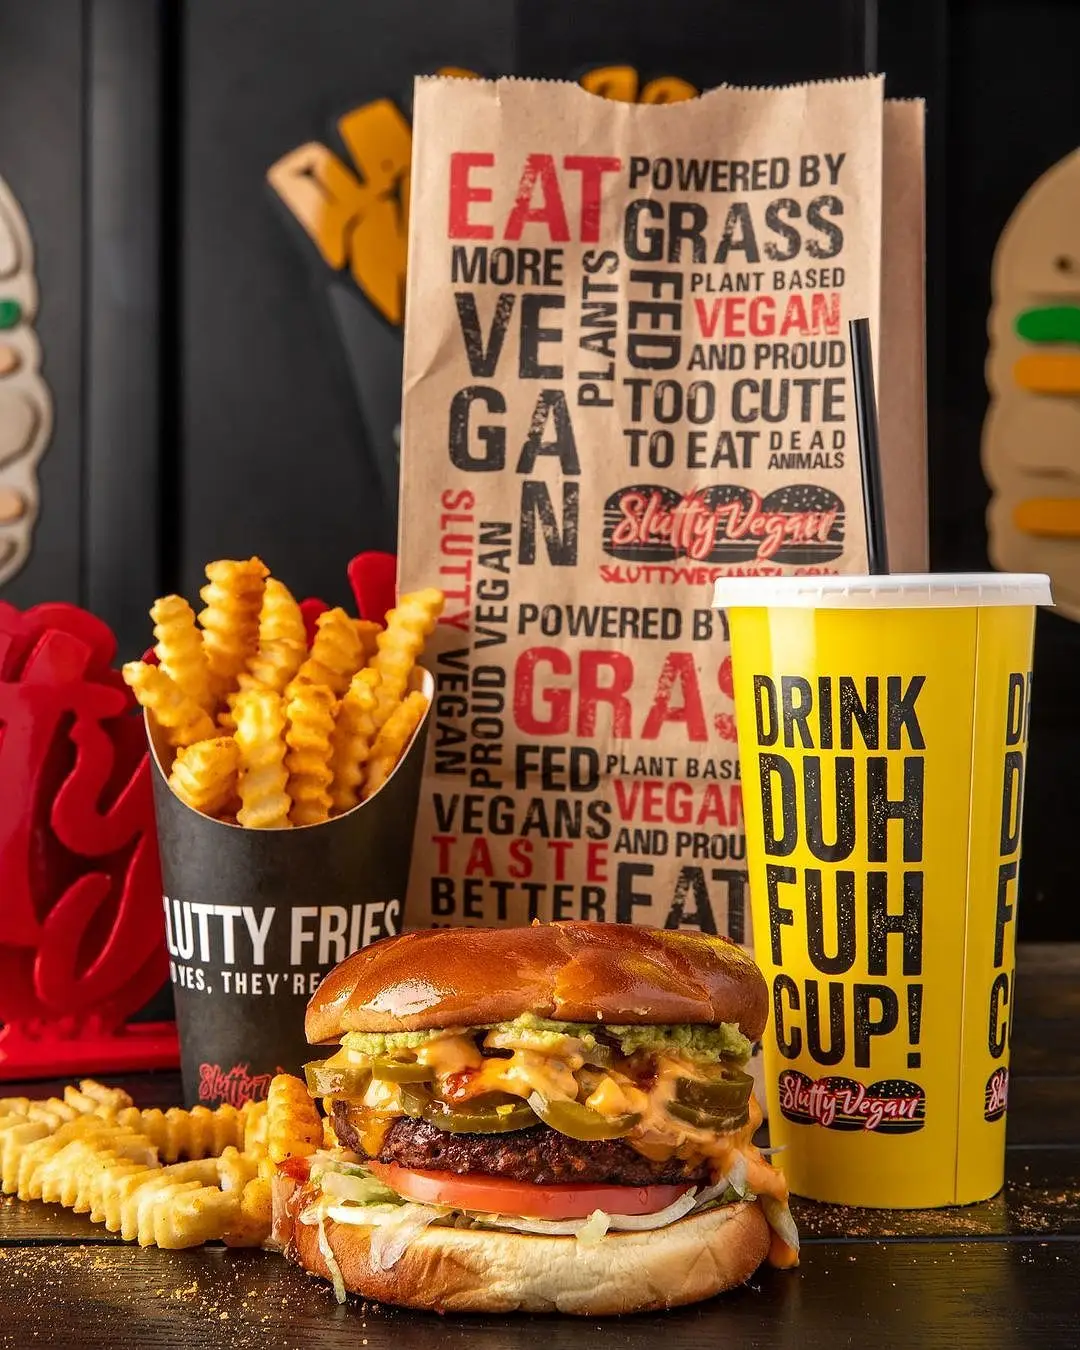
(474,1270)
(573,972)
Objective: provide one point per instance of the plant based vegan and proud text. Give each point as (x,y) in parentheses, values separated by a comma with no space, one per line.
(625,376)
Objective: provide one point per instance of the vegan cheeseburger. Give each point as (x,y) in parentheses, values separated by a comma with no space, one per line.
(547,1118)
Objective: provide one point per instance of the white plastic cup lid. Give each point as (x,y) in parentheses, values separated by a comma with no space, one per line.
(913,590)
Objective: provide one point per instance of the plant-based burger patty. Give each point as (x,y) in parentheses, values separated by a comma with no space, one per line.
(540,1155)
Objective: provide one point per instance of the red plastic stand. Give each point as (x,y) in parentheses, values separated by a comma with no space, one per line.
(81,924)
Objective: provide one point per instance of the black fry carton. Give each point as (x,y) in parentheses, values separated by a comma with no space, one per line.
(255,918)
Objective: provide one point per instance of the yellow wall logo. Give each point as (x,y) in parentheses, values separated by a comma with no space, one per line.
(1031,436)
(357,215)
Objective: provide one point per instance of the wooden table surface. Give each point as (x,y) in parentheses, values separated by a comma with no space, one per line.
(1001,1274)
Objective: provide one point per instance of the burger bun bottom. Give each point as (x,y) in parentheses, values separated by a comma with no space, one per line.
(481,1270)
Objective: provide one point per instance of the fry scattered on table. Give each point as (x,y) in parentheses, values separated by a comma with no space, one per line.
(169,1179)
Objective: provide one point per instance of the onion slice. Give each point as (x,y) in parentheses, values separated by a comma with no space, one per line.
(389,1240)
(637,1223)
(780,1220)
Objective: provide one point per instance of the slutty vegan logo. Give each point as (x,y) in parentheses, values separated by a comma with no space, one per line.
(233,1086)
(892,1106)
(799,523)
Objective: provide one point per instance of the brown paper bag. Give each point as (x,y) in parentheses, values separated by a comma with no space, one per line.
(626,373)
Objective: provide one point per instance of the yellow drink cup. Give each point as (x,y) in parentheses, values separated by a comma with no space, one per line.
(883,726)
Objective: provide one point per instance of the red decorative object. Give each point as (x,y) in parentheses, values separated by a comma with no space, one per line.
(311,609)
(373,577)
(81,925)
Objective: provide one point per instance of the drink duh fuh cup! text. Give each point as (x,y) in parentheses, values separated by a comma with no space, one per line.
(883,731)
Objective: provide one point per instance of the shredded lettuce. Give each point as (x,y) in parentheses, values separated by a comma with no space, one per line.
(352,1195)
(357,1186)
(331,1261)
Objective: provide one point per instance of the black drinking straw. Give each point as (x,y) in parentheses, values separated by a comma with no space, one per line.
(862,366)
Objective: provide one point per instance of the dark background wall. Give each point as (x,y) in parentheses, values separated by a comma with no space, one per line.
(220,391)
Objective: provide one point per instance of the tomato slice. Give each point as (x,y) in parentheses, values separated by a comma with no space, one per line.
(497,1195)
(298,1169)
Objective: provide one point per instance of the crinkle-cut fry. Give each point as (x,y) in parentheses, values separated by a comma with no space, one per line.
(273,666)
(281,619)
(206,775)
(408,626)
(14,1138)
(293,1123)
(251,1228)
(151,1202)
(100,1166)
(112,1099)
(368,632)
(193,1215)
(61,1179)
(260,734)
(119,1190)
(53,1111)
(129,1210)
(354,731)
(233,599)
(194,1134)
(180,650)
(282,640)
(180,718)
(335,654)
(253,1126)
(236,1169)
(396,732)
(35,1156)
(101,1180)
(83,1102)
(309,728)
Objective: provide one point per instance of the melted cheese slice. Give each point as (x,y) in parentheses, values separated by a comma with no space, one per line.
(462,1071)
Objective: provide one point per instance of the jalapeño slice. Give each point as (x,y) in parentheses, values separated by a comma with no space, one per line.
(707,1120)
(719,1096)
(489,1113)
(400,1070)
(581,1122)
(335,1080)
